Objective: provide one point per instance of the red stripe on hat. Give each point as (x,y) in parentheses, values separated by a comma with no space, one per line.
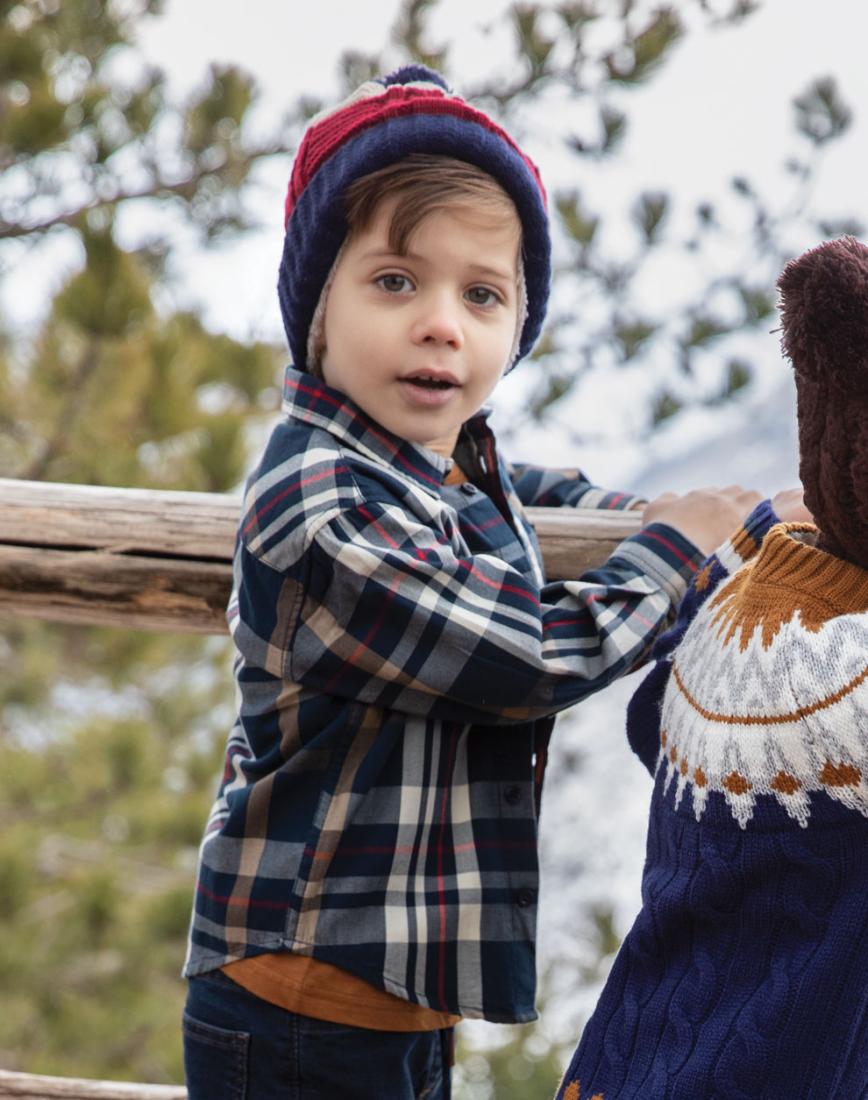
(325,137)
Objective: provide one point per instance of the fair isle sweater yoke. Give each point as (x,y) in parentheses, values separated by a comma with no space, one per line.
(745,974)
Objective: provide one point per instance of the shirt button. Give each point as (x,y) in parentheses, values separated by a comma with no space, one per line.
(512,795)
(468,488)
(524,897)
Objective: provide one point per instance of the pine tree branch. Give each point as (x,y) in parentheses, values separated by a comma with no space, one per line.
(67,416)
(159,189)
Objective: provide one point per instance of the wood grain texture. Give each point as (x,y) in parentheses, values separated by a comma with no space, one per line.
(160,560)
(26,1086)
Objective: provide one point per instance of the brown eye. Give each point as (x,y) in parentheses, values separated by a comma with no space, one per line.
(394,284)
(481,296)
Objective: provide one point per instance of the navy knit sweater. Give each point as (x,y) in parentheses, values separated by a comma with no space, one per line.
(745,974)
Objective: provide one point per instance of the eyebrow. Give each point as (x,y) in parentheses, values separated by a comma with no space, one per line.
(481,269)
(494,272)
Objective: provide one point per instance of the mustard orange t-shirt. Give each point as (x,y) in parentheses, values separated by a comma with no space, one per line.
(456,476)
(310,987)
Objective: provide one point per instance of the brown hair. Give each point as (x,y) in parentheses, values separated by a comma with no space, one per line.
(424,184)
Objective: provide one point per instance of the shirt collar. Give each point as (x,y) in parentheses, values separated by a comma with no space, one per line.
(311,401)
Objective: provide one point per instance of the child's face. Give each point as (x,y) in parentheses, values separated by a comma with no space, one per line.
(419,341)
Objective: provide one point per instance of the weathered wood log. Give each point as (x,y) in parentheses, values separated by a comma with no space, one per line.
(162,560)
(107,589)
(142,521)
(26,1086)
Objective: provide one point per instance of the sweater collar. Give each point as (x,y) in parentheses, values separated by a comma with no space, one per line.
(311,401)
(789,558)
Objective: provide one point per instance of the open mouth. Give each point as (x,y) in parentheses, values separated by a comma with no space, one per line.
(429,391)
(428,382)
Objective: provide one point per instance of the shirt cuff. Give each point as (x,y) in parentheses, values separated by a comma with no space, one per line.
(748,538)
(609,500)
(664,555)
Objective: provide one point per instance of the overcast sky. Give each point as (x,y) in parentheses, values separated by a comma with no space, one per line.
(719,107)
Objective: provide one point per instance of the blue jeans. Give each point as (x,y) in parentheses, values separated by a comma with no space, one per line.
(239,1047)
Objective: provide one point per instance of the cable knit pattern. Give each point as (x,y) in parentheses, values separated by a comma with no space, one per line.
(745,974)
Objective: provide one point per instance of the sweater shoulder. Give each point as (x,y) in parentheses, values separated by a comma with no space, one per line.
(768,699)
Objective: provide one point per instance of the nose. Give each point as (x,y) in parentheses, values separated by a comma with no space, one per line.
(438,322)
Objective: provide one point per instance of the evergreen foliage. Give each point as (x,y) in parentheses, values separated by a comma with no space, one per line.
(112,740)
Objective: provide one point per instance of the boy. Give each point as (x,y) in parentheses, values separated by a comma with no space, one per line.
(369,873)
(746,971)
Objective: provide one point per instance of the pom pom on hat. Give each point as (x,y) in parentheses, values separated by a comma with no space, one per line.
(419,73)
(412,110)
(824,313)
(824,310)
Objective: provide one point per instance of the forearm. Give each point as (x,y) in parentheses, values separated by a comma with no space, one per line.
(393,617)
(540,487)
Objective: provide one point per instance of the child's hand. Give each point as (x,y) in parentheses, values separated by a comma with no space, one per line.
(790,507)
(705,516)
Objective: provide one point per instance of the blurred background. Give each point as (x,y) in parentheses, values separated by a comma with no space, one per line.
(689,148)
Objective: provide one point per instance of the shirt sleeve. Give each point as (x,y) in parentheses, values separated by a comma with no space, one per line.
(540,487)
(644,709)
(390,613)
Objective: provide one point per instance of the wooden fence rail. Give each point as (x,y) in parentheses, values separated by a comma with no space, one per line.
(162,560)
(28,1086)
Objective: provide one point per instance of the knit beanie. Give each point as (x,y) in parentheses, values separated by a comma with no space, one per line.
(409,111)
(824,313)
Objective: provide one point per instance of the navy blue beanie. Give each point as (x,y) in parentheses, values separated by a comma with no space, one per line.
(384,121)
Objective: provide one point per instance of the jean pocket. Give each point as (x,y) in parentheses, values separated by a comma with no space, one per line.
(215,1061)
(428,1079)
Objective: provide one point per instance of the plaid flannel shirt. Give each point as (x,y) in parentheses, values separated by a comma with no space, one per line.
(400,659)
